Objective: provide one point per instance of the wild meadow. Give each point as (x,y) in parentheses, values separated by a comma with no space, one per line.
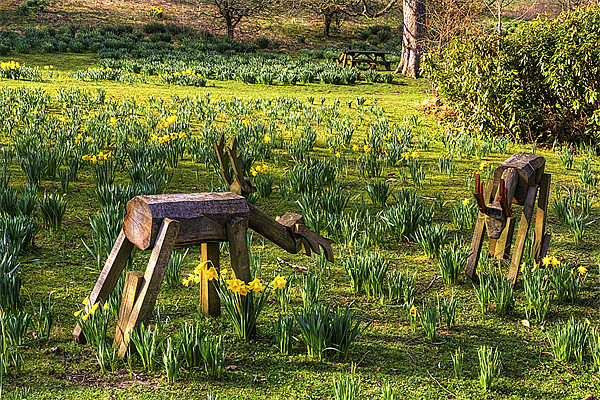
(370,161)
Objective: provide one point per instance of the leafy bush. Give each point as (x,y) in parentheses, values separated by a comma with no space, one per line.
(31,6)
(540,83)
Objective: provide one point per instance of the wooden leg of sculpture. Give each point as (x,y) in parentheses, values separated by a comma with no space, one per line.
(540,220)
(477,243)
(504,243)
(153,277)
(238,248)
(209,299)
(238,251)
(133,284)
(522,234)
(109,276)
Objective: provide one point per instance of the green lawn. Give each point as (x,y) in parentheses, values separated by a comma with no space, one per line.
(389,351)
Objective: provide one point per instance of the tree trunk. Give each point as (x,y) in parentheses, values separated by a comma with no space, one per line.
(327,25)
(230,26)
(412,37)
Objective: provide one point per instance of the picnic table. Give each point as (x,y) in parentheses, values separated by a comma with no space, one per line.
(354,58)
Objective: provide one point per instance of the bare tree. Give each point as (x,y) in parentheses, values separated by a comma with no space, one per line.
(447,19)
(413,34)
(233,11)
(331,10)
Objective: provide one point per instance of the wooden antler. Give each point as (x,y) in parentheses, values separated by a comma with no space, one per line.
(239,184)
(503,199)
(313,241)
(223,161)
(479,194)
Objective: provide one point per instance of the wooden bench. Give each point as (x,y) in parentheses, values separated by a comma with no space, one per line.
(355,58)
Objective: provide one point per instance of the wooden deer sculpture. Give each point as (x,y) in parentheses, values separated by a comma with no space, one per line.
(516,181)
(160,222)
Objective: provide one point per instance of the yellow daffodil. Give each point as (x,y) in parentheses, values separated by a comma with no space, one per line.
(113,120)
(85,317)
(466,202)
(77,313)
(367,148)
(256,286)
(554,262)
(234,285)
(267,138)
(94,308)
(413,309)
(337,154)
(279,282)
(546,261)
(201,267)
(582,270)
(414,154)
(88,139)
(212,274)
(244,290)
(105,307)
(355,147)
(85,301)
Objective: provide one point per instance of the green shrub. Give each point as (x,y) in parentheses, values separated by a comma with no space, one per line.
(539,83)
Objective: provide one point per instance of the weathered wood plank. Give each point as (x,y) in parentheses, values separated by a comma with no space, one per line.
(209,298)
(478,236)
(504,243)
(278,233)
(133,283)
(111,272)
(541,216)
(202,216)
(153,277)
(522,234)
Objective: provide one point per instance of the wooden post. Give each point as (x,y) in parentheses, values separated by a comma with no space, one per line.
(209,298)
(153,278)
(504,242)
(477,243)
(238,248)
(540,218)
(131,289)
(522,234)
(114,266)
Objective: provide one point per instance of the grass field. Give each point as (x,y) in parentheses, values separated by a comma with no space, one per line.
(389,350)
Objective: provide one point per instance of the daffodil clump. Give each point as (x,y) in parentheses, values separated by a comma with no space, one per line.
(183,78)
(236,295)
(94,158)
(566,281)
(204,267)
(154,12)
(97,74)
(259,169)
(167,137)
(93,321)
(14,70)
(10,65)
(241,306)
(487,168)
